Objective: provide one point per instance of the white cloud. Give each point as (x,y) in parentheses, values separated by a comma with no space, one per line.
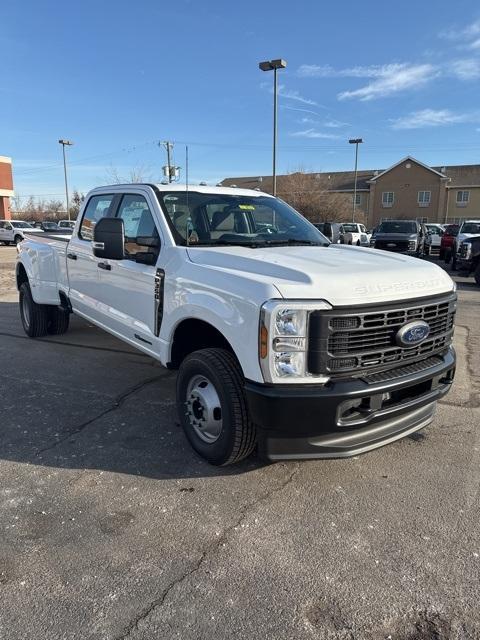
(433,118)
(313,133)
(467,37)
(327,71)
(394,78)
(293,95)
(468,69)
(314,113)
(335,124)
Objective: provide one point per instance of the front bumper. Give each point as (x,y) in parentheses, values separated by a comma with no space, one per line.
(347,417)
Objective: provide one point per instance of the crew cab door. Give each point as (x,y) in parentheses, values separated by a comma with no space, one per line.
(127,287)
(82,266)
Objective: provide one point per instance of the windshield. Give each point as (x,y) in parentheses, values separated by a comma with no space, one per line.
(471,227)
(451,230)
(434,230)
(222,219)
(397,226)
(21,225)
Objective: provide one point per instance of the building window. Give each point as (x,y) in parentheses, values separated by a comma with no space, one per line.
(387,198)
(424,198)
(462,198)
(358,198)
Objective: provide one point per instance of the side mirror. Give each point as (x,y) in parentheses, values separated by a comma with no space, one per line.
(108,239)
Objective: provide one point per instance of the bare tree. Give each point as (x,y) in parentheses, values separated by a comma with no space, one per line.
(305,192)
(141,173)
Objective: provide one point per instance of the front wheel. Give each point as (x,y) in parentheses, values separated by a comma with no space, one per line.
(212,406)
(17,239)
(34,316)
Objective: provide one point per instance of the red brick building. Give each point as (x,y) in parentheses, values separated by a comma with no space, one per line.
(6,187)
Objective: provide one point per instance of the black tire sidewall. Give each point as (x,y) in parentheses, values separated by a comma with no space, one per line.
(219,451)
(25,299)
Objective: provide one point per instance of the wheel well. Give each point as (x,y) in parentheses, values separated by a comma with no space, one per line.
(21,276)
(191,335)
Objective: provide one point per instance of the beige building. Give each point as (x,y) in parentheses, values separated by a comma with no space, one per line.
(408,189)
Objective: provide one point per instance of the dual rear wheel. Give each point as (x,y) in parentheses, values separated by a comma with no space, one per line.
(41,319)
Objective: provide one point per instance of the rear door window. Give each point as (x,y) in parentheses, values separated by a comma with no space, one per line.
(98,207)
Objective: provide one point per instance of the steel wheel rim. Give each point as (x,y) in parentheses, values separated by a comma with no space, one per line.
(204,409)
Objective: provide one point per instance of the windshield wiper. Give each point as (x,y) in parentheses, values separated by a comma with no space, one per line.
(292,242)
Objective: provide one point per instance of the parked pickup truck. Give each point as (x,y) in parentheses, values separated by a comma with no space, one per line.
(469,257)
(354,233)
(400,236)
(281,339)
(12,231)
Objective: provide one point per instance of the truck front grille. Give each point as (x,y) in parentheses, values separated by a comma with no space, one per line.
(351,341)
(392,245)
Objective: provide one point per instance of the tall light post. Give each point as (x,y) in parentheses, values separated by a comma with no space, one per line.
(273,65)
(66,143)
(356,142)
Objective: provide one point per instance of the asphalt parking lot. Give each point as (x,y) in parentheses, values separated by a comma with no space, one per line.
(111,528)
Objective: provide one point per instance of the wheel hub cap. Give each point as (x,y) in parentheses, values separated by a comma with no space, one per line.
(203,409)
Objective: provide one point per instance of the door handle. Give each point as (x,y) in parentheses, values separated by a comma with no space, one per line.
(72,256)
(104,265)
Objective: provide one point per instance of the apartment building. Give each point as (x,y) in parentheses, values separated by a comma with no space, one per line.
(408,189)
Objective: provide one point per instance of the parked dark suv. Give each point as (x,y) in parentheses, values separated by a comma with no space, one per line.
(401,236)
(468,257)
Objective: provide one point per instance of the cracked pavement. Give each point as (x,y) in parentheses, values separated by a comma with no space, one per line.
(111,528)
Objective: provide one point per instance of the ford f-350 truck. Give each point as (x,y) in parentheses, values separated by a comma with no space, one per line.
(281,339)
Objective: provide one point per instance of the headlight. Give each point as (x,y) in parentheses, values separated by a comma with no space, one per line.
(372,242)
(412,245)
(283,340)
(466,250)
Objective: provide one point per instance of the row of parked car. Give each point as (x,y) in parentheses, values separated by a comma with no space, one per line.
(458,244)
(12,231)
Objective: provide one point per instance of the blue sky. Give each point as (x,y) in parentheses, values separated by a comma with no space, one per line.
(117,77)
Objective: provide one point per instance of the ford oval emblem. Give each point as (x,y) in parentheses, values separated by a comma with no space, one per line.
(412,333)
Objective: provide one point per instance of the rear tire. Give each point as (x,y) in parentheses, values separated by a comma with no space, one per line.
(58,321)
(34,316)
(212,406)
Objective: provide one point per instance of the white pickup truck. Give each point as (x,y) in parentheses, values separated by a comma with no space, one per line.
(354,233)
(12,231)
(281,339)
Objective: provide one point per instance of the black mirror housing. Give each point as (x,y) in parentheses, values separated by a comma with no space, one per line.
(108,239)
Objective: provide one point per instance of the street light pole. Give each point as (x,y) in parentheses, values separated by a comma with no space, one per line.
(66,143)
(274,65)
(356,142)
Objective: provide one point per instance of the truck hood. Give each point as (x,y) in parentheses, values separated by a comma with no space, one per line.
(340,274)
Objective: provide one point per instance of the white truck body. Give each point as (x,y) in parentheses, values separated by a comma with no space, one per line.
(233,292)
(354,233)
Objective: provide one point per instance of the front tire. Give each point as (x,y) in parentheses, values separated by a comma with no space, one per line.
(212,406)
(34,316)
(17,239)
(58,321)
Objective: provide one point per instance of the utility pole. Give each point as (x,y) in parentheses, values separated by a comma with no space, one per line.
(170,171)
(66,143)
